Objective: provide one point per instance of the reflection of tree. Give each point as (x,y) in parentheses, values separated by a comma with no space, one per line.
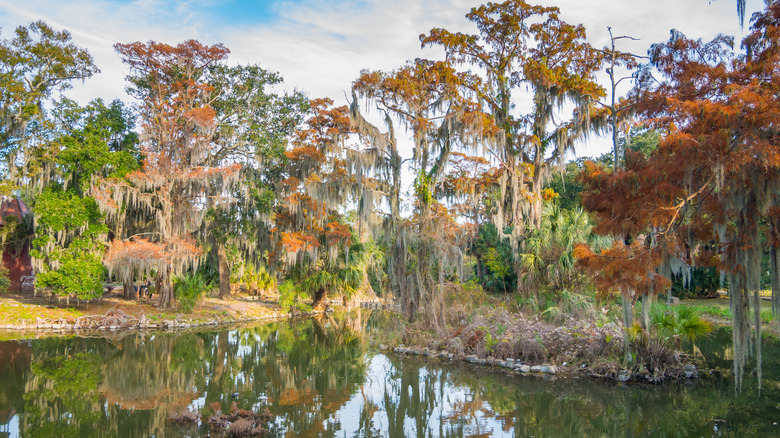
(307,371)
(158,375)
(452,400)
(311,372)
(61,397)
(420,393)
(90,387)
(304,371)
(14,365)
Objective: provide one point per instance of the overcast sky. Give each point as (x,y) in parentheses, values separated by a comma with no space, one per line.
(320,46)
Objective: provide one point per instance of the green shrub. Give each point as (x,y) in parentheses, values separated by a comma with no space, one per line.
(256,279)
(189,289)
(5,282)
(79,273)
(682,322)
(291,298)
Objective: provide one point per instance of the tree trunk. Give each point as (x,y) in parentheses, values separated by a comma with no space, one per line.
(775,257)
(129,291)
(319,296)
(647,305)
(628,321)
(165,289)
(219,362)
(224,271)
(480,269)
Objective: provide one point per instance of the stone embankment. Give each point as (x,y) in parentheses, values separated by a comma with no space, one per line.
(686,371)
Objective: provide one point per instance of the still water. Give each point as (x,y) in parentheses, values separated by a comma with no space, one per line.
(320,378)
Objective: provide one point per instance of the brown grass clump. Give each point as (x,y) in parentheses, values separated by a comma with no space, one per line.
(574,336)
(511,335)
(483,325)
(184,417)
(240,422)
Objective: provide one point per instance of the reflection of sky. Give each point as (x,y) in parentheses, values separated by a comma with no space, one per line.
(382,376)
(13,426)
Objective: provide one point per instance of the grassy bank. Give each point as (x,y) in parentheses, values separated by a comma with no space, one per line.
(718,311)
(22,313)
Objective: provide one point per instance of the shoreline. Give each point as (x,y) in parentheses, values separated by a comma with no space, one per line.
(685,372)
(19,316)
(230,313)
(23,316)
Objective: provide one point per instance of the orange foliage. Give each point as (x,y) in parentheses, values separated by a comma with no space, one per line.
(629,269)
(715,176)
(338,233)
(304,222)
(296,242)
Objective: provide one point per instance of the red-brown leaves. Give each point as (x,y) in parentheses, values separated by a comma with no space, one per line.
(338,233)
(151,254)
(296,242)
(306,219)
(713,179)
(629,269)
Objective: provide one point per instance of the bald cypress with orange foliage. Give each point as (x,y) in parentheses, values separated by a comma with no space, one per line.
(711,190)
(173,187)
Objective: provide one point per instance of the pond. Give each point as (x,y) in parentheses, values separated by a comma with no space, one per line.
(319,378)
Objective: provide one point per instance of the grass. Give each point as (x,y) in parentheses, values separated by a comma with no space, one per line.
(24,310)
(719,309)
(13,313)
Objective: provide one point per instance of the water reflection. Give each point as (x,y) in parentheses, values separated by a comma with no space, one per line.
(318,379)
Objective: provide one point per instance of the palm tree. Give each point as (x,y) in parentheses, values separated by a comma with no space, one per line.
(548,258)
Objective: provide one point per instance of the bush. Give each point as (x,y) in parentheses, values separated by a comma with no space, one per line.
(79,273)
(291,298)
(680,322)
(5,281)
(189,289)
(255,278)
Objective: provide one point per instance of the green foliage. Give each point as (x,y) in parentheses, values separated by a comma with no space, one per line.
(254,277)
(547,260)
(100,144)
(422,188)
(703,283)
(291,298)
(495,255)
(73,376)
(79,273)
(60,211)
(188,290)
(681,322)
(341,276)
(643,141)
(38,61)
(559,304)
(5,282)
(490,342)
(566,184)
(90,141)
(723,312)
(69,243)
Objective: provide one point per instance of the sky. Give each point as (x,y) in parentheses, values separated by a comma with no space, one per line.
(320,46)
